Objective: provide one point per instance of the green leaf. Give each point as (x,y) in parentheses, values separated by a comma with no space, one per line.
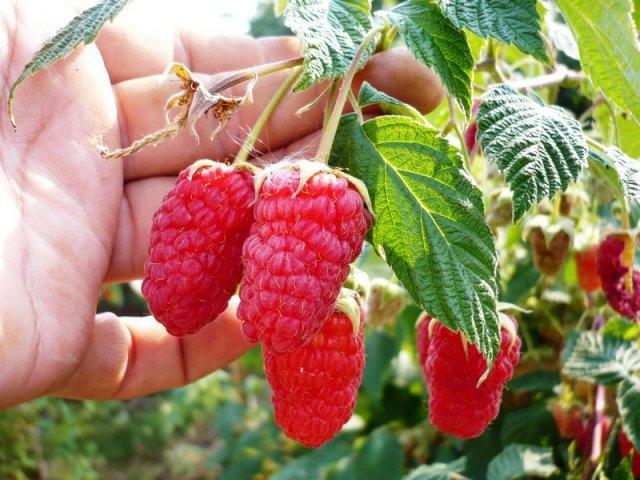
(622,174)
(310,465)
(83,28)
(628,172)
(509,21)
(330,31)
(608,45)
(536,380)
(380,348)
(435,41)
(437,471)
(517,461)
(379,457)
(598,358)
(531,424)
(623,470)
(371,96)
(430,224)
(539,149)
(628,400)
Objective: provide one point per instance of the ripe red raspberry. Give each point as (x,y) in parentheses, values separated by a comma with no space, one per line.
(195,251)
(298,255)
(587,267)
(620,282)
(626,447)
(315,387)
(422,338)
(456,404)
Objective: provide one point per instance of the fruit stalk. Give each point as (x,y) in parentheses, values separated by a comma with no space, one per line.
(332,126)
(247,146)
(251,73)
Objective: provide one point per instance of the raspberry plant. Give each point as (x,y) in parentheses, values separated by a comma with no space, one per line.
(520,192)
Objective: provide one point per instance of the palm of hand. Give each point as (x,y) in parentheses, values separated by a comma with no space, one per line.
(59,202)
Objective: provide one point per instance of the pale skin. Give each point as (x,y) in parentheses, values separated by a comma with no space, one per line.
(71,221)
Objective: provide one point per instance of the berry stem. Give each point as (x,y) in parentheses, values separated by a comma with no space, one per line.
(332,125)
(247,146)
(331,103)
(251,73)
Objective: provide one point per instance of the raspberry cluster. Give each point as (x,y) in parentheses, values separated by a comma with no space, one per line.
(452,370)
(291,247)
(620,282)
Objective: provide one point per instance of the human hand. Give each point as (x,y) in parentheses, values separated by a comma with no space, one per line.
(72,220)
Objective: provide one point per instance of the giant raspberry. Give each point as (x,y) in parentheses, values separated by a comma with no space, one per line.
(452,369)
(315,387)
(587,269)
(195,251)
(305,235)
(620,282)
(626,447)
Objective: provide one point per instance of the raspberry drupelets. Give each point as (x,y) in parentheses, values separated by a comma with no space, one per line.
(315,387)
(306,233)
(615,268)
(456,404)
(195,251)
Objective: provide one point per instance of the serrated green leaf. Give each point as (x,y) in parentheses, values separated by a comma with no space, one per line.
(83,28)
(518,461)
(628,400)
(429,223)
(626,126)
(435,41)
(628,173)
(330,31)
(509,21)
(598,358)
(538,149)
(437,471)
(369,95)
(609,49)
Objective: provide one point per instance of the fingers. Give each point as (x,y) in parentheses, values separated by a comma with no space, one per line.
(140,200)
(131,357)
(148,35)
(141,102)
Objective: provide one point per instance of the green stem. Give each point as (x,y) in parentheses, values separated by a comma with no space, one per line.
(356,107)
(456,128)
(597,145)
(331,103)
(247,146)
(614,136)
(332,125)
(555,211)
